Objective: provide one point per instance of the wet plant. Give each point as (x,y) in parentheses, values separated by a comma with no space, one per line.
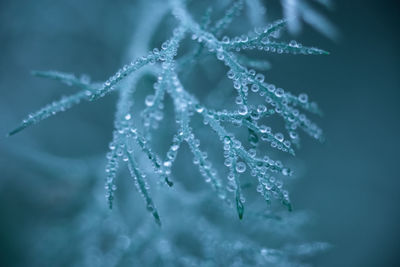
(241,127)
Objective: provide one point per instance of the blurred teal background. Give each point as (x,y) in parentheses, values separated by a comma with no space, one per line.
(350,183)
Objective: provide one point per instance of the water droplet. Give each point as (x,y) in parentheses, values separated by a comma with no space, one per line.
(197,142)
(164,46)
(236,85)
(285,171)
(167,164)
(231,74)
(293,135)
(260,77)
(199,108)
(149,101)
(225,39)
(268,186)
(237,144)
(265,129)
(240,167)
(293,43)
(227,140)
(303,98)
(254,88)
(279,137)
(242,110)
(259,188)
(271,88)
(279,92)
(261,108)
(228,162)
(112,146)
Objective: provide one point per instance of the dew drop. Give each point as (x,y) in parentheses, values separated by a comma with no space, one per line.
(149,101)
(167,164)
(228,162)
(231,74)
(164,46)
(112,146)
(261,108)
(265,129)
(199,109)
(259,77)
(254,88)
(303,98)
(279,92)
(293,135)
(285,171)
(242,110)
(279,137)
(240,167)
(293,43)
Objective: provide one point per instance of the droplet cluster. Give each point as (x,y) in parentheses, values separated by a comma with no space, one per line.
(129,140)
